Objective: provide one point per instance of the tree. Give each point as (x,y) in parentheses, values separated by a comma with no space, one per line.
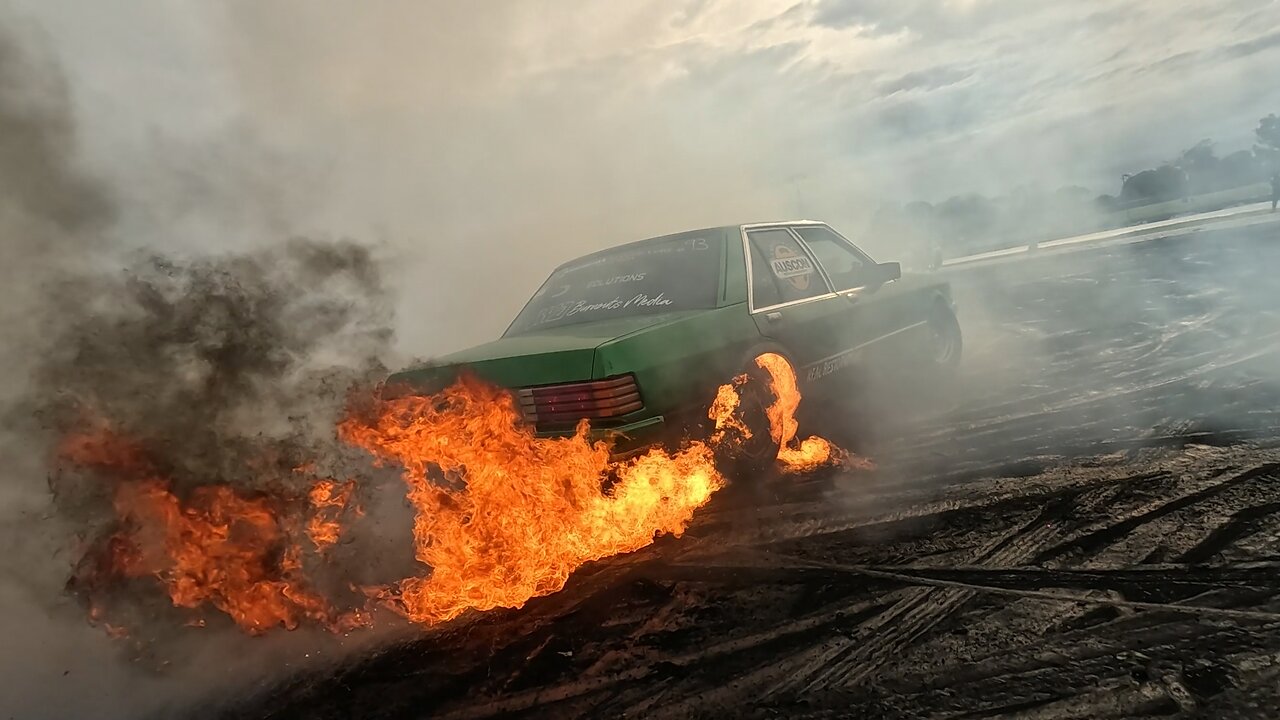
(1268,132)
(1068,211)
(1201,166)
(1198,155)
(889,225)
(1073,194)
(970,219)
(1239,168)
(922,222)
(1154,186)
(1268,148)
(919,210)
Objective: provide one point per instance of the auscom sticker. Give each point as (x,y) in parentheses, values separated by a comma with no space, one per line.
(795,269)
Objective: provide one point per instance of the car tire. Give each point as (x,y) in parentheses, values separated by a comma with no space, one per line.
(750,465)
(945,342)
(761,449)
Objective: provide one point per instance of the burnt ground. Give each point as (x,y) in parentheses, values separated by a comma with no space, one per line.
(1089,527)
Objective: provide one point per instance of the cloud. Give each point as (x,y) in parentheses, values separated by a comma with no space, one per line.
(1245,48)
(929,79)
(928,19)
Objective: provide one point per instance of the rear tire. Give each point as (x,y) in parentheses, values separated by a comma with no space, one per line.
(760,450)
(945,343)
(935,386)
(750,466)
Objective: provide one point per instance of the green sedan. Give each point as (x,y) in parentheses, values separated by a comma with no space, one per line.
(637,338)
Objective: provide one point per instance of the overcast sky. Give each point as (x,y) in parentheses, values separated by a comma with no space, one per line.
(489,141)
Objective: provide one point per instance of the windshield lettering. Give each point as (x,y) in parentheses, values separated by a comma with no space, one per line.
(663,275)
(616,280)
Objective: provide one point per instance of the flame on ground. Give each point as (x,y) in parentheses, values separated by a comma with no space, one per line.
(504,516)
(501,515)
(215,547)
(329,499)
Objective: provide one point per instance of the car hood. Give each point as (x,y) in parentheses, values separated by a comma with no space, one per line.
(562,354)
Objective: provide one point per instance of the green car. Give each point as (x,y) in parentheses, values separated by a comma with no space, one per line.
(637,338)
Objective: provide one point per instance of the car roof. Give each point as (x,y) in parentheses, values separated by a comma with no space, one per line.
(715,229)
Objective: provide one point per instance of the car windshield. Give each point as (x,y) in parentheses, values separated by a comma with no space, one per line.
(677,272)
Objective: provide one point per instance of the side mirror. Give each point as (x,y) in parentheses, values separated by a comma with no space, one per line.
(888,271)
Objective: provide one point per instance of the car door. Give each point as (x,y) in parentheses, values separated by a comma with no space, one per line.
(875,315)
(790,300)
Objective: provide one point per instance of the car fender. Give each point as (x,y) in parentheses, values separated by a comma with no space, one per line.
(748,360)
(941,295)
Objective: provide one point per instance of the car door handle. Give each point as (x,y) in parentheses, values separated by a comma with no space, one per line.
(773,316)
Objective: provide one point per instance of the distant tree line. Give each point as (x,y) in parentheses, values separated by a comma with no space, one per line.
(972,222)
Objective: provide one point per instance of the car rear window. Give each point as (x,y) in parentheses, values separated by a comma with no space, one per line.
(678,272)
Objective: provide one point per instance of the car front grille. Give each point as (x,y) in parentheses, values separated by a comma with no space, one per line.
(553,407)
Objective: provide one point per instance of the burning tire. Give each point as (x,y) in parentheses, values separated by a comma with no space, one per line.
(760,450)
(746,446)
(756,427)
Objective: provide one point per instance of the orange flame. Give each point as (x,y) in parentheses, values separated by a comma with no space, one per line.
(504,516)
(215,548)
(724,411)
(808,454)
(329,499)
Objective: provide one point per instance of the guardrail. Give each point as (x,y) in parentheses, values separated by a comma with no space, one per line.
(1245,214)
(1140,216)
(1194,204)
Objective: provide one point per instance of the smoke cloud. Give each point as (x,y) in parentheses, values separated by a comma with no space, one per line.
(225,367)
(156,157)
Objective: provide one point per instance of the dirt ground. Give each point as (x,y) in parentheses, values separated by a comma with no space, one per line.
(1089,526)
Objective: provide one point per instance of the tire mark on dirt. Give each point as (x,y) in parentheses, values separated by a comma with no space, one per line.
(1096,540)
(850,659)
(817,622)
(1180,580)
(816,521)
(1240,525)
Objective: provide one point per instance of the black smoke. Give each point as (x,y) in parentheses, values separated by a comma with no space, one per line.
(225,368)
(206,361)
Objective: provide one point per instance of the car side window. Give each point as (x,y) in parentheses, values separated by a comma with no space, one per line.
(781,270)
(845,265)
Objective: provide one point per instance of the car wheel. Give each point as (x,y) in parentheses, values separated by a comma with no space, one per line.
(945,341)
(760,450)
(750,463)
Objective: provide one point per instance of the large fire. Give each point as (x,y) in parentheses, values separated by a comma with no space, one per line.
(236,553)
(501,515)
(516,514)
